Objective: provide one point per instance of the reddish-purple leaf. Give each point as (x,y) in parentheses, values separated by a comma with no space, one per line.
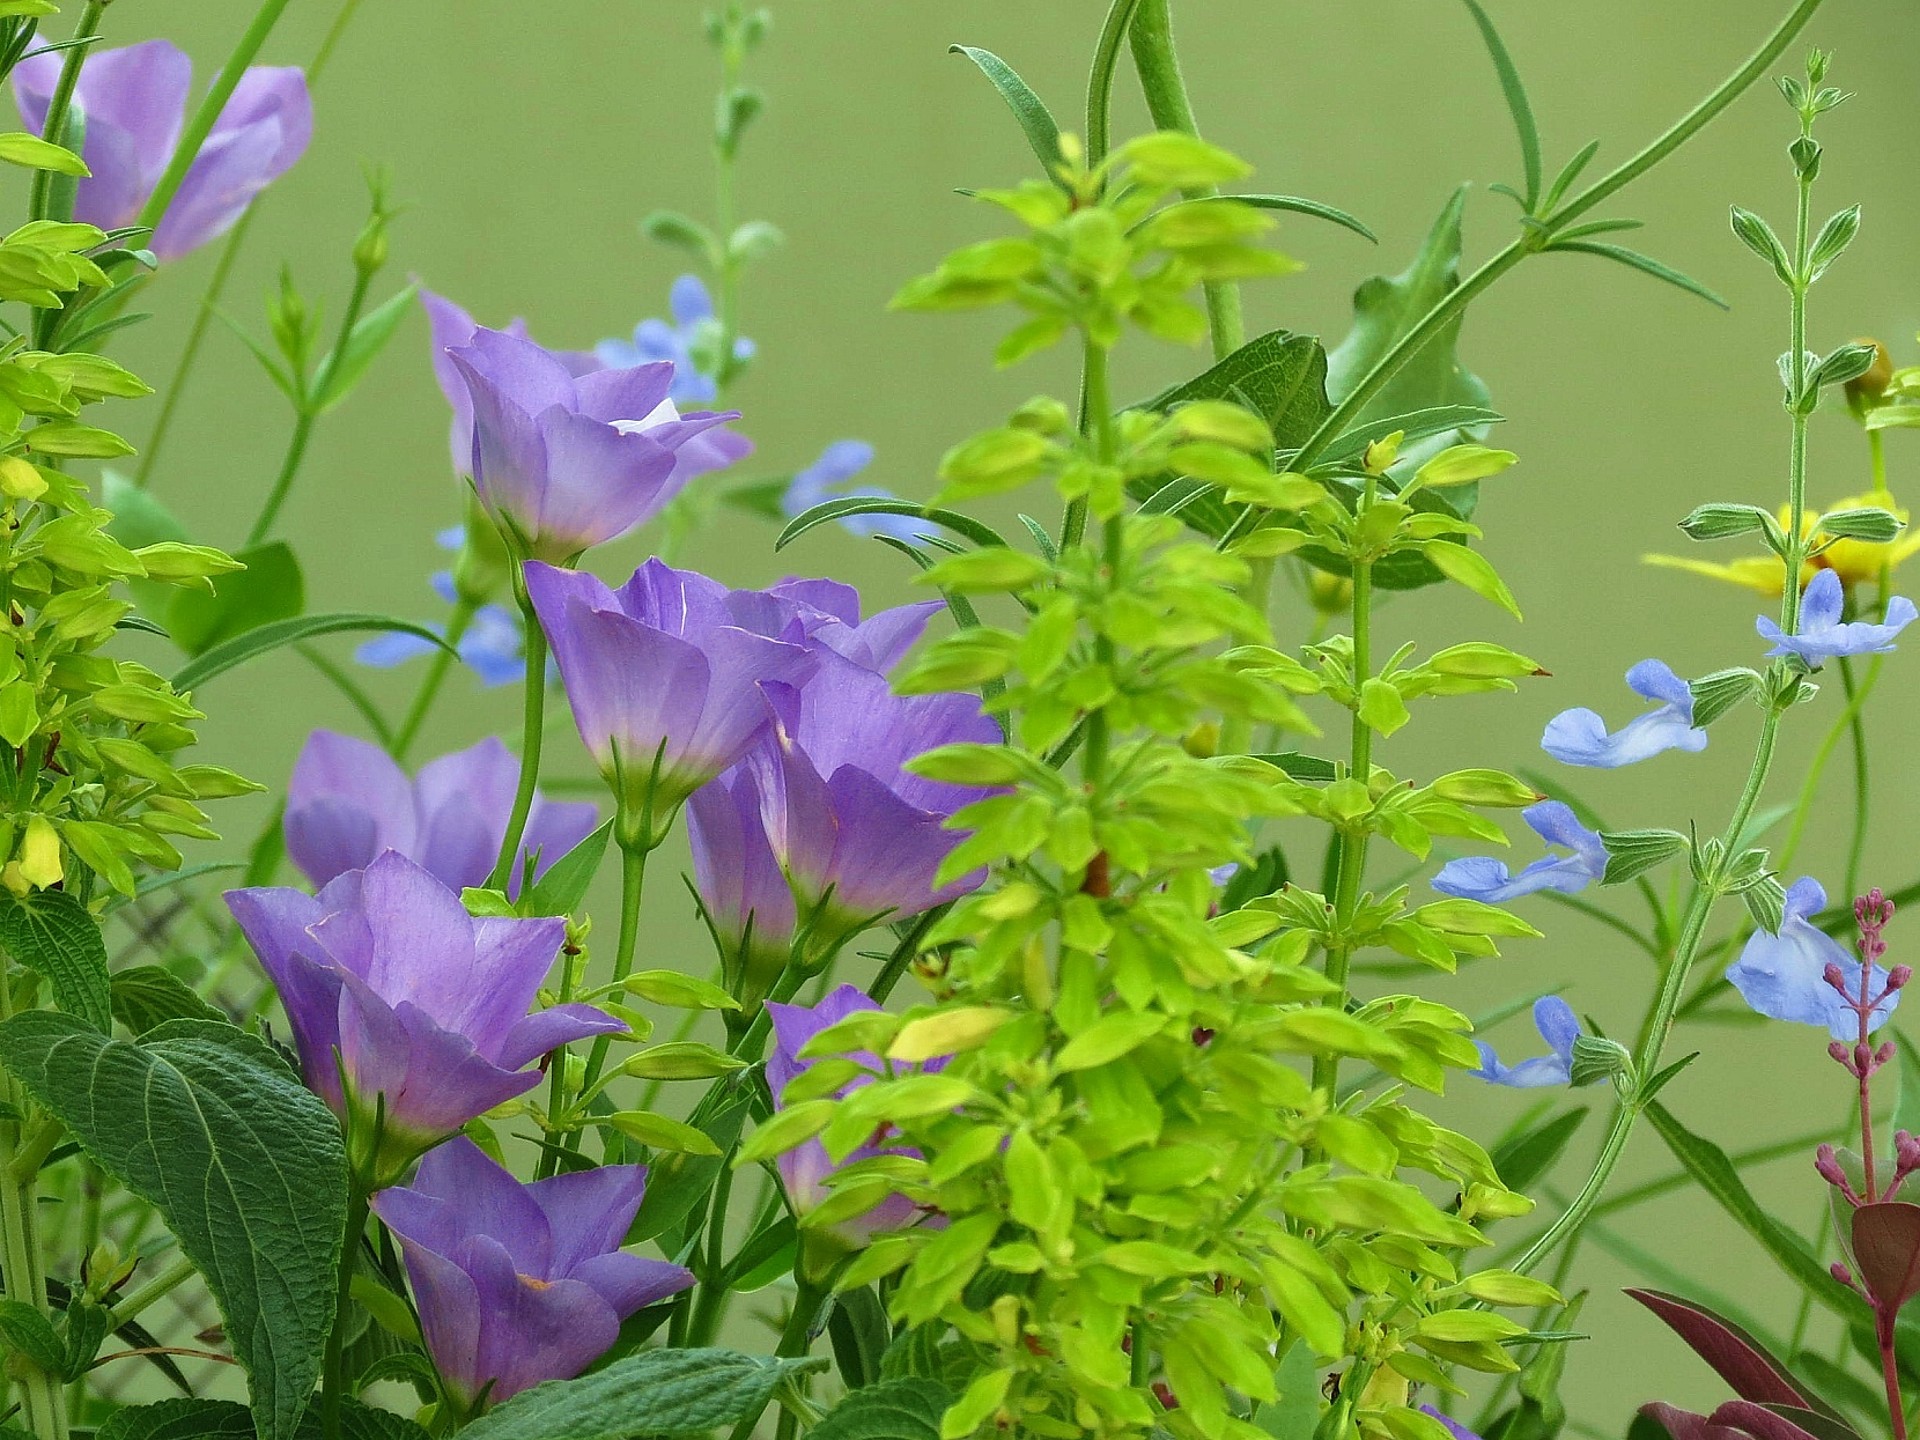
(1736,1357)
(1760,1421)
(1886,1248)
(1821,1427)
(1685,1425)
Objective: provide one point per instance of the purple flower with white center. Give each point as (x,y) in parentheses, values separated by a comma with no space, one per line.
(493,645)
(663,680)
(565,463)
(860,838)
(826,613)
(409,1014)
(830,477)
(517,1284)
(452,327)
(134,101)
(1559,1027)
(1783,976)
(745,897)
(693,329)
(1484,878)
(806,1169)
(1823,635)
(348,801)
(1580,737)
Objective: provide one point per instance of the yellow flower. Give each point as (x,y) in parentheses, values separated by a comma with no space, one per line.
(1856,561)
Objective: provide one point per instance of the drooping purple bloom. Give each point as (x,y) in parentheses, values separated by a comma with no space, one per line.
(693,330)
(827,613)
(566,463)
(807,1169)
(830,478)
(409,1014)
(134,101)
(663,680)
(1559,1027)
(746,899)
(1580,737)
(1823,635)
(1484,878)
(1783,976)
(517,1284)
(1453,1426)
(493,645)
(348,801)
(859,837)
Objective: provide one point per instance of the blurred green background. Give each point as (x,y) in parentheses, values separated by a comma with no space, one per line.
(526,142)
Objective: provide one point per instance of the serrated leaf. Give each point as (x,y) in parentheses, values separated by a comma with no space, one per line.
(51,933)
(245,1165)
(903,1409)
(146,997)
(662,1393)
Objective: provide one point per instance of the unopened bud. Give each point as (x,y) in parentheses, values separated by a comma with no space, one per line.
(1828,1167)
(1867,388)
(40,854)
(1838,1051)
(1841,1273)
(1835,977)
(1899,976)
(1862,1057)
(1883,1055)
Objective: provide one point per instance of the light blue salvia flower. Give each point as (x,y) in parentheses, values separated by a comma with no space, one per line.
(493,646)
(1580,737)
(1783,976)
(829,477)
(1823,635)
(1483,878)
(1555,1021)
(654,339)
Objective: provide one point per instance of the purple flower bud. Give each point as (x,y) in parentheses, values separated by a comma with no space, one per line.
(410,1015)
(1833,976)
(745,897)
(348,801)
(666,687)
(1898,977)
(1842,1274)
(1840,1053)
(1828,1166)
(135,104)
(515,1283)
(566,462)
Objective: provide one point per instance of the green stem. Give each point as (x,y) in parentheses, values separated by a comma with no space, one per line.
(438,669)
(1100,429)
(709,1306)
(532,730)
(334,1379)
(1842,726)
(633,883)
(1106,57)
(43,1404)
(139,1299)
(1857,837)
(222,270)
(200,125)
(796,1339)
(309,411)
(40,195)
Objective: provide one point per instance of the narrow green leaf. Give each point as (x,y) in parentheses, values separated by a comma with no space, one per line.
(1523,1159)
(245,1165)
(1523,122)
(1645,264)
(369,337)
(974,530)
(271,588)
(242,648)
(1299,205)
(1036,121)
(565,884)
(51,933)
(18,148)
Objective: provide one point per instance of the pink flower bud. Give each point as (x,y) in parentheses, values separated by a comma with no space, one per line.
(1899,976)
(1838,1051)
(1834,977)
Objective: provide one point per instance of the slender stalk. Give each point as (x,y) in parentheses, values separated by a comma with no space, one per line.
(222,271)
(201,123)
(633,883)
(532,731)
(1106,57)
(1857,834)
(1842,727)
(796,1339)
(139,1299)
(1890,1373)
(438,668)
(43,1405)
(309,411)
(334,1380)
(1100,429)
(709,1306)
(40,195)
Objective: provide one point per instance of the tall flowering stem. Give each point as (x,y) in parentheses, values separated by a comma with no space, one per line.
(533,724)
(40,197)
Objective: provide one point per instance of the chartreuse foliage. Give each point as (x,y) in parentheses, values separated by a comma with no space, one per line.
(1140,1181)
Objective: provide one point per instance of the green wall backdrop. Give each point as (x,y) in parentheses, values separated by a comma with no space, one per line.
(527,140)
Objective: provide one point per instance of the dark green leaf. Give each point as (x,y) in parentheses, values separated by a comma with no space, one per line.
(760,497)
(1524,1158)
(1645,264)
(51,933)
(908,1409)
(146,997)
(1516,93)
(245,1165)
(1439,420)
(657,1393)
(224,1420)
(369,337)
(223,657)
(1036,121)
(1301,206)
(270,589)
(28,1331)
(827,510)
(86,1326)
(1310,768)
(565,884)
(857,1327)
(675,1183)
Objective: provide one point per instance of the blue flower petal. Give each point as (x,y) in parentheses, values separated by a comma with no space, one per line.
(1559,1027)
(1783,976)
(1822,635)
(1581,737)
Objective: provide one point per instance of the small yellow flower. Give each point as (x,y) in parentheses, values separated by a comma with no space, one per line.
(40,854)
(1856,561)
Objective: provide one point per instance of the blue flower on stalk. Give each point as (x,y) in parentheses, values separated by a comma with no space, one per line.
(829,477)
(653,339)
(1481,877)
(1823,635)
(1580,737)
(1783,975)
(1555,1021)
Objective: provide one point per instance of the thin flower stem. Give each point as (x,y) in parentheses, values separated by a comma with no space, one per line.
(438,668)
(1809,788)
(222,271)
(633,883)
(709,1306)
(333,1373)
(1890,1374)
(532,731)
(796,1339)
(1106,58)
(40,195)
(1857,726)
(43,1404)
(201,123)
(142,1297)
